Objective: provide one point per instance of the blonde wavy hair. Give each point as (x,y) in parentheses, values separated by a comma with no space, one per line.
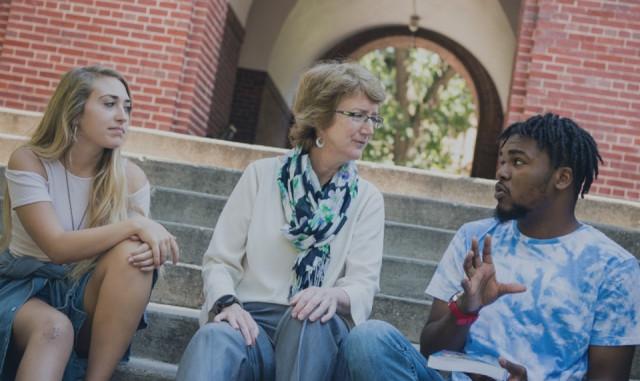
(53,139)
(320,91)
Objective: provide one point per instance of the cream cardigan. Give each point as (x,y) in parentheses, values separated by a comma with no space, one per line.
(248,255)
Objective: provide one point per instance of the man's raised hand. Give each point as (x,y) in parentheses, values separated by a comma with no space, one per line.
(480,284)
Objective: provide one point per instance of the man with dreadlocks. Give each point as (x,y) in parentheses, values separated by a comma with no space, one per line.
(551,297)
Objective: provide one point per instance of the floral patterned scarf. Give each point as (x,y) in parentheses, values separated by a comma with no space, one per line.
(314,214)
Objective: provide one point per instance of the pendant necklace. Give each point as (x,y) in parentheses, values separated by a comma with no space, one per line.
(73,224)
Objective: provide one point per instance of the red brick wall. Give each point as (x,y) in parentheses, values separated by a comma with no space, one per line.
(581,59)
(201,63)
(166,49)
(4,18)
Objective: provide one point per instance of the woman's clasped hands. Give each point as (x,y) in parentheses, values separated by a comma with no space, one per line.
(157,245)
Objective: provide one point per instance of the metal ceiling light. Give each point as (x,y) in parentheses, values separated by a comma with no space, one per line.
(414,19)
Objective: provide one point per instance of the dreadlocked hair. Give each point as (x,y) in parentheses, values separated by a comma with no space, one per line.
(566,143)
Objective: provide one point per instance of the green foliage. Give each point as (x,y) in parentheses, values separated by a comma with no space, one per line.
(420,124)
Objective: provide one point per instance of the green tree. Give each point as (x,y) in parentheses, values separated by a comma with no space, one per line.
(428,106)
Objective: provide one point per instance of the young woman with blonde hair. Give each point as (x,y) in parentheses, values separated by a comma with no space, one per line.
(78,254)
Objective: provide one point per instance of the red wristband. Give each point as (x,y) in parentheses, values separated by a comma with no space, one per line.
(461,317)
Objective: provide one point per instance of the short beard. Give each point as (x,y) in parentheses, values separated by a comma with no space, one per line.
(516,212)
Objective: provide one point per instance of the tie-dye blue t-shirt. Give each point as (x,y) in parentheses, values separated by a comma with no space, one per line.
(582,290)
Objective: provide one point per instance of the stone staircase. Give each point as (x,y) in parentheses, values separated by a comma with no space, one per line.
(187,199)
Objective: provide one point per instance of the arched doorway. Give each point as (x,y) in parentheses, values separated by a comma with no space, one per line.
(489,111)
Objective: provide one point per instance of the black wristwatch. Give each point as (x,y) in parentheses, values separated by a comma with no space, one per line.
(223,302)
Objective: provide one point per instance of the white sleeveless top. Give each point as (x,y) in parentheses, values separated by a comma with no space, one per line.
(27,187)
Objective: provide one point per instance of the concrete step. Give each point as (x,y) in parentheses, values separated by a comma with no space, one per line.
(215,181)
(191,217)
(413,224)
(406,314)
(203,209)
(220,182)
(181,285)
(186,207)
(199,209)
(193,240)
(627,238)
(169,331)
(400,240)
(406,277)
(460,190)
(139,369)
(416,241)
(428,212)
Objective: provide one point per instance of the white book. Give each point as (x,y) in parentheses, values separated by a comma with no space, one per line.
(460,362)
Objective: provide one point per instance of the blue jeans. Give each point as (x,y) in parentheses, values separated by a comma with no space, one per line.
(376,350)
(286,349)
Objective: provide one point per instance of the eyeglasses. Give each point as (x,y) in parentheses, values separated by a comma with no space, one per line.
(359,117)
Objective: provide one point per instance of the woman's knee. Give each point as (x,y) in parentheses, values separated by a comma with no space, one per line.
(121,251)
(218,335)
(40,323)
(54,328)
(117,259)
(312,334)
(335,327)
(217,352)
(218,343)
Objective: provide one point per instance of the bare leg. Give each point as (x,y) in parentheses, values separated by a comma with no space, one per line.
(45,337)
(115,298)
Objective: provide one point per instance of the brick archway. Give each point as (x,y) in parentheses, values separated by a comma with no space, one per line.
(490,114)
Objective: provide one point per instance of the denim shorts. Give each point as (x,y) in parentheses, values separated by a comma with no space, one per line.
(64,294)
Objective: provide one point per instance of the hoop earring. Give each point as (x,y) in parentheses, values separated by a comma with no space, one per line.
(319,142)
(74,131)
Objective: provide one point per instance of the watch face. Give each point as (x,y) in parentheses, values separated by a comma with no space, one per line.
(227,300)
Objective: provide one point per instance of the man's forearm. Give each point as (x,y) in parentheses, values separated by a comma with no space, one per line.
(443,333)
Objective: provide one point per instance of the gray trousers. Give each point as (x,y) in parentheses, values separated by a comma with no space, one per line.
(286,349)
